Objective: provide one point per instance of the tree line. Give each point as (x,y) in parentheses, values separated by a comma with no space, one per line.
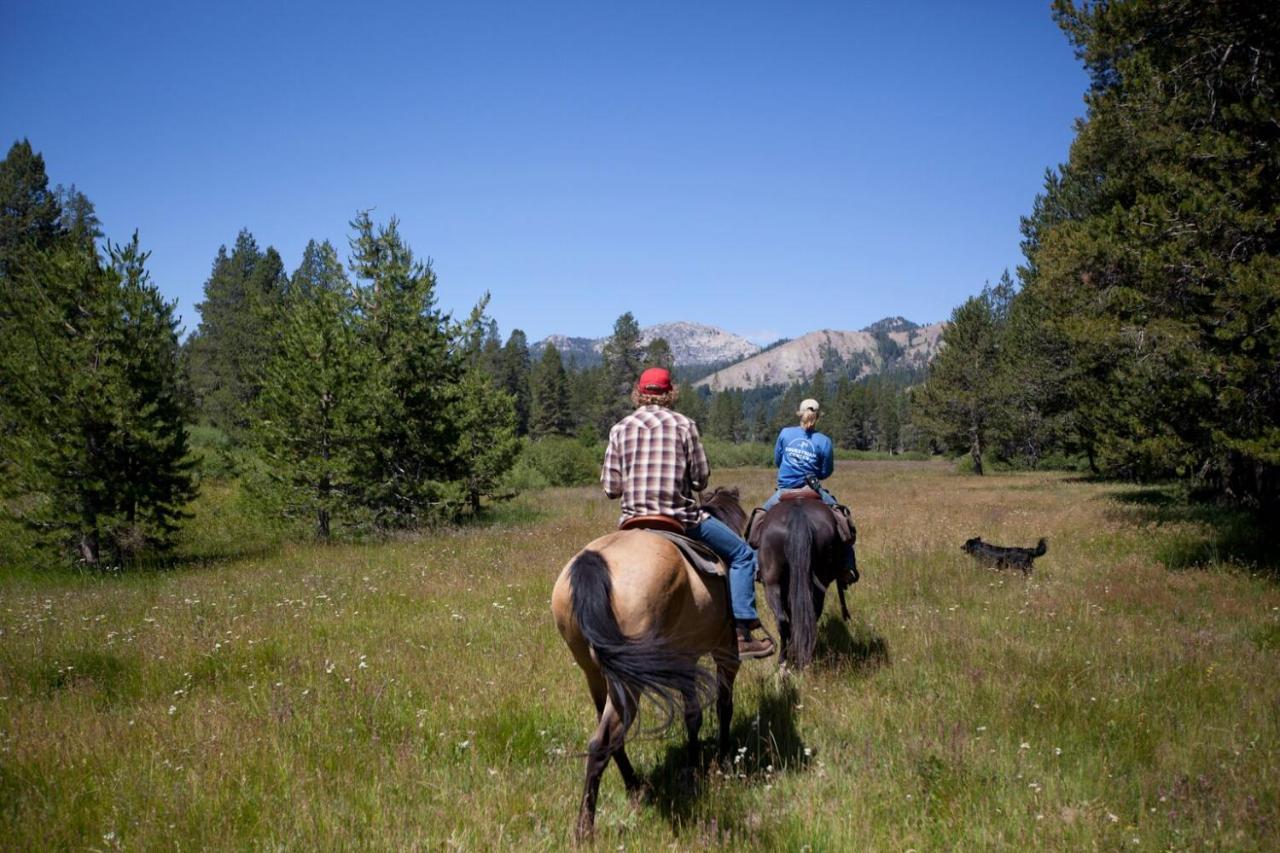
(346,399)
(1142,332)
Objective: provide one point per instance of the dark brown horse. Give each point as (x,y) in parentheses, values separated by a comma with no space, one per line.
(799,555)
(637,618)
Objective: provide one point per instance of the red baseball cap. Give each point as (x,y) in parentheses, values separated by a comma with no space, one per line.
(655,380)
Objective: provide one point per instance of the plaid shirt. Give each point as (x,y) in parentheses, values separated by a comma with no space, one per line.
(656,464)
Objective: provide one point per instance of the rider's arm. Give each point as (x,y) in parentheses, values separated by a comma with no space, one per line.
(827,463)
(699,468)
(611,471)
(777,452)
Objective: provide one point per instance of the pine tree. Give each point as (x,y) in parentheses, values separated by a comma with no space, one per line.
(657,353)
(487,442)
(622,367)
(550,413)
(237,334)
(514,376)
(1154,253)
(29,211)
(957,403)
(96,447)
(725,421)
(410,472)
(314,413)
(692,403)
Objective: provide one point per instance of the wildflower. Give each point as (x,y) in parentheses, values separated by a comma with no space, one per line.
(173,709)
(1112,818)
(1024,745)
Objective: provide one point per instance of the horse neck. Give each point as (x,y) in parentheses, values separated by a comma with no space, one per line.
(726,510)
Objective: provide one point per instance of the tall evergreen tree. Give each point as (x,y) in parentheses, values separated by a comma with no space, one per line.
(514,376)
(314,413)
(657,353)
(29,211)
(89,375)
(485,412)
(411,470)
(957,403)
(725,420)
(1154,251)
(237,334)
(550,413)
(487,443)
(622,366)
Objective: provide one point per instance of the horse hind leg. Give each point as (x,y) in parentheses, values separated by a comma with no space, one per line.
(693,725)
(774,595)
(606,742)
(726,671)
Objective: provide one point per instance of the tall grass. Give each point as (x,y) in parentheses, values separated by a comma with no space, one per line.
(413,693)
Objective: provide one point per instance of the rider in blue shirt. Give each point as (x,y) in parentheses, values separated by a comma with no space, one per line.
(803,456)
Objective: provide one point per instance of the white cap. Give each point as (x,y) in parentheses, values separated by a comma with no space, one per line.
(810,405)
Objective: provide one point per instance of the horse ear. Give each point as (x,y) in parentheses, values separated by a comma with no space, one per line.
(733,491)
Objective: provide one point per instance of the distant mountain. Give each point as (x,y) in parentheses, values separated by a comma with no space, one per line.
(891,343)
(692,344)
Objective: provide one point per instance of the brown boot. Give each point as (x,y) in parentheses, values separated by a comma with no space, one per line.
(750,647)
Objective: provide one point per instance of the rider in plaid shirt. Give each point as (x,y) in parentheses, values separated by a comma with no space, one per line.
(655,462)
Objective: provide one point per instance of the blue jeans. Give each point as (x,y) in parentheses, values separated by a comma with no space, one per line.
(828,499)
(741,559)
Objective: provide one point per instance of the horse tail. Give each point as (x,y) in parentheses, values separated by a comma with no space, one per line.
(632,666)
(799,553)
(1041,548)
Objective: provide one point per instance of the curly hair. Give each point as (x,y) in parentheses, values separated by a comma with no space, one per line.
(666,399)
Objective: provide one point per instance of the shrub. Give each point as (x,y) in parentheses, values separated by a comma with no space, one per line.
(558,461)
(727,454)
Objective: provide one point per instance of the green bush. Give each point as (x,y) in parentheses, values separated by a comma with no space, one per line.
(556,461)
(217,455)
(727,454)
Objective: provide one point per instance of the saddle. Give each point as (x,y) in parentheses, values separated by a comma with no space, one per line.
(699,555)
(805,494)
(844,519)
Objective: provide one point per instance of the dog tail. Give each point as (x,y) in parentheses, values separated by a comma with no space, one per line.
(1041,548)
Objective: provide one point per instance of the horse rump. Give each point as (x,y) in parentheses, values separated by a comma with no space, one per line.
(799,553)
(633,666)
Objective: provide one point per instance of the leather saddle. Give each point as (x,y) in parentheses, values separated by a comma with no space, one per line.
(844,519)
(805,494)
(699,555)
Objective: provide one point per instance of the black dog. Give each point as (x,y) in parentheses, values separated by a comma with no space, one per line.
(1001,557)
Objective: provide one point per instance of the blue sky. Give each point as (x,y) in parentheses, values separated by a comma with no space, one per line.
(770,168)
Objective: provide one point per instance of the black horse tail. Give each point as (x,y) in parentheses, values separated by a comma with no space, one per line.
(799,552)
(1040,549)
(632,667)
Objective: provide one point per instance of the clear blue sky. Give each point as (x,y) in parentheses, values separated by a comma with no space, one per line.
(770,168)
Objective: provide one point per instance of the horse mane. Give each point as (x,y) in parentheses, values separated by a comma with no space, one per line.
(725,504)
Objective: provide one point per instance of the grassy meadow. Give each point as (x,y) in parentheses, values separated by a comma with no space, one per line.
(415,694)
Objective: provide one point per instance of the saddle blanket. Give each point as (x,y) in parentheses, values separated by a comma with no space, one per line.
(699,555)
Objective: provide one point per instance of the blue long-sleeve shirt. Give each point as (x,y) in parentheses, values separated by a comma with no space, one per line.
(802,453)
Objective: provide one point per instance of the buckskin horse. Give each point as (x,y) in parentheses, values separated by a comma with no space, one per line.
(799,553)
(637,617)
